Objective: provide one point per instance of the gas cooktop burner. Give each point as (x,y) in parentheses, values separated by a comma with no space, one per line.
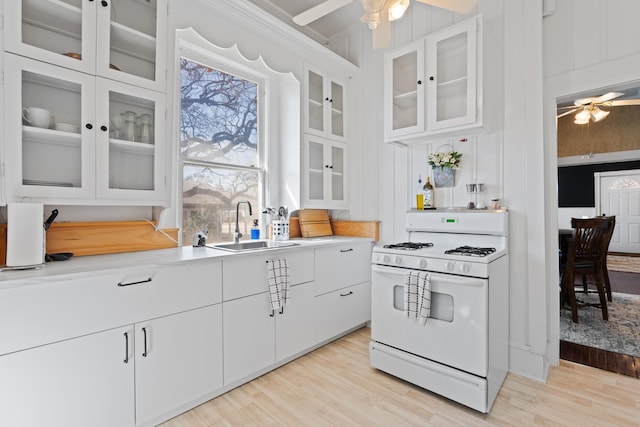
(470,251)
(409,246)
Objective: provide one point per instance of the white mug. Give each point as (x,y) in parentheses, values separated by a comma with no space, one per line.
(38,117)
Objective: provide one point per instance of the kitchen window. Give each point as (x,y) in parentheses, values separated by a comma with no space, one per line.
(220,149)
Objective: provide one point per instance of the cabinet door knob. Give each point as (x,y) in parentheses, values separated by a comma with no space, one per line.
(104,3)
(103,128)
(327,98)
(331,100)
(326,166)
(419,82)
(432,78)
(89,126)
(331,167)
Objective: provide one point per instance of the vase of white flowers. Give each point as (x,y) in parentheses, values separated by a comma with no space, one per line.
(443,165)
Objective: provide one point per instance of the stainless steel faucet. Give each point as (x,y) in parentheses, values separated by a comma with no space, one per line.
(237,234)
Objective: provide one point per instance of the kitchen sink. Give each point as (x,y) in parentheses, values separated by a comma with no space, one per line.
(252,245)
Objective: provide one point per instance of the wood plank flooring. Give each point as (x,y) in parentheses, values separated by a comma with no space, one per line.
(335,385)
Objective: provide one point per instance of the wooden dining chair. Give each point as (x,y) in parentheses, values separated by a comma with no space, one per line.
(587,256)
(605,272)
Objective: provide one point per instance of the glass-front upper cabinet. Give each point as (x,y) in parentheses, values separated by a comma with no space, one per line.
(119,39)
(73,138)
(324,105)
(404,91)
(325,183)
(452,76)
(129,157)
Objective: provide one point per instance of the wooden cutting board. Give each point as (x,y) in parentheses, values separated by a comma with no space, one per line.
(314,223)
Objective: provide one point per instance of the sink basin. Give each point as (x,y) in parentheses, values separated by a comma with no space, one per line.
(252,245)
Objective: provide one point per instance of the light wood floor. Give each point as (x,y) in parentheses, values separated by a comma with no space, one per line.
(335,386)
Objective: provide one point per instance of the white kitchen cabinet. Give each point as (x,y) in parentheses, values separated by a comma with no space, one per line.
(92,160)
(343,288)
(78,382)
(324,102)
(404,91)
(254,336)
(433,87)
(324,173)
(178,359)
(123,40)
(340,311)
(342,265)
(452,61)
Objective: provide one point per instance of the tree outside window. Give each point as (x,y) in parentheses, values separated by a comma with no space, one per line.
(219,143)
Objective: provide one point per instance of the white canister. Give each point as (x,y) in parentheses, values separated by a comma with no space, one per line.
(280,230)
(25,235)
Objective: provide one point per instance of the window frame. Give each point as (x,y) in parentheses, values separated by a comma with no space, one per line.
(218,63)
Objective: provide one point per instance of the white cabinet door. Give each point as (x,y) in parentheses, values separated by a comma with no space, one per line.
(248,335)
(178,359)
(324,101)
(452,73)
(80,382)
(119,39)
(404,92)
(325,177)
(42,162)
(129,164)
(341,310)
(295,325)
(80,156)
(343,265)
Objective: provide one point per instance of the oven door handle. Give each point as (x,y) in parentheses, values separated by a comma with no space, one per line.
(442,277)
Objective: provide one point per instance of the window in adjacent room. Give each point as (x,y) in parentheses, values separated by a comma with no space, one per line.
(220,148)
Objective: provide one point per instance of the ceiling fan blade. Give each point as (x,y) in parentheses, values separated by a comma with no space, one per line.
(381,36)
(623,102)
(317,12)
(598,99)
(457,6)
(566,113)
(608,97)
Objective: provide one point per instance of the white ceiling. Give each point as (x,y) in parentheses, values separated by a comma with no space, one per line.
(322,29)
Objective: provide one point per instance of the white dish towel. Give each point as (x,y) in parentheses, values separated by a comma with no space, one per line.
(417,296)
(278,282)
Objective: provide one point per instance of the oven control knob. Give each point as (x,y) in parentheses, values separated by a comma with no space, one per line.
(465,268)
(449,266)
(386,259)
(422,263)
(398,260)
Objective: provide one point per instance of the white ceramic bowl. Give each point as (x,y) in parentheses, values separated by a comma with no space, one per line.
(66,127)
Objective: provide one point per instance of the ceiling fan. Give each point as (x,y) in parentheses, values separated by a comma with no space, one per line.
(378,14)
(589,108)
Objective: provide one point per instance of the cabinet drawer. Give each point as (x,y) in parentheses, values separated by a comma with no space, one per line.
(341,310)
(247,274)
(342,265)
(58,309)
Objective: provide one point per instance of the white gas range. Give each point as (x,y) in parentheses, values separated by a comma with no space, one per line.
(462,350)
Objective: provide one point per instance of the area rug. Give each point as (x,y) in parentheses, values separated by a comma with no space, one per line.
(621,334)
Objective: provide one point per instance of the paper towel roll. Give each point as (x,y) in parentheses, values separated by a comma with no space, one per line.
(25,235)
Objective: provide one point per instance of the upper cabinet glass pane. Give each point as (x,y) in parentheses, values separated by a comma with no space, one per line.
(132,37)
(53,25)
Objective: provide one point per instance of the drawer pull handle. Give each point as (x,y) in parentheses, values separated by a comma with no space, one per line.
(144,331)
(273,313)
(135,283)
(346,250)
(347,294)
(126,347)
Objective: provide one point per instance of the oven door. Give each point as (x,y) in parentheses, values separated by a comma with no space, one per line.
(456,333)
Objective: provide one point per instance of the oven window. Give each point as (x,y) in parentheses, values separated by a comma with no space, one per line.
(441,304)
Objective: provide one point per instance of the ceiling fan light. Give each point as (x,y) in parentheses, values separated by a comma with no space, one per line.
(398,9)
(598,114)
(580,121)
(371,19)
(583,116)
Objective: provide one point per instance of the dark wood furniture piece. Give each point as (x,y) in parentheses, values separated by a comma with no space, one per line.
(586,256)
